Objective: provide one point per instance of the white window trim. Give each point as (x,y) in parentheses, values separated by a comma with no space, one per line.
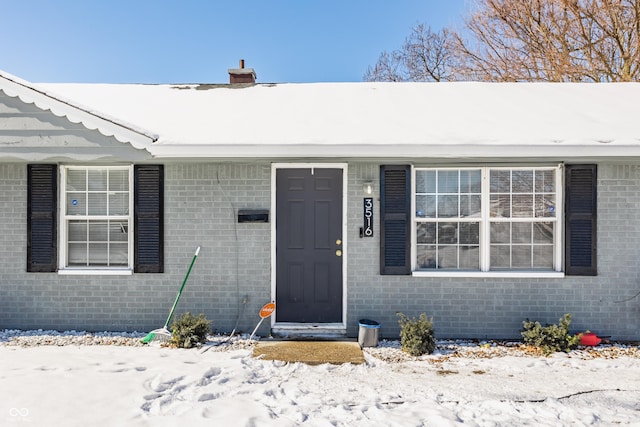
(63,269)
(484,271)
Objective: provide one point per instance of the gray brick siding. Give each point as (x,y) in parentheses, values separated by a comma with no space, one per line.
(201,204)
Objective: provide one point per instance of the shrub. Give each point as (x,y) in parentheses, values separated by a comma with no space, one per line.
(189,331)
(550,338)
(416,335)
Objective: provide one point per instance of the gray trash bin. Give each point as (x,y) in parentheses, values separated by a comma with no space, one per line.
(368,333)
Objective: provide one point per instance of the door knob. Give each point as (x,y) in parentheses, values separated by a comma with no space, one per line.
(338,252)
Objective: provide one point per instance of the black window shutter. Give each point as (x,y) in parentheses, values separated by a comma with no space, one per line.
(148,218)
(580,220)
(395,219)
(42,196)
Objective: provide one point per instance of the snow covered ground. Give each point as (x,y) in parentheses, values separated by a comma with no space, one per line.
(485,384)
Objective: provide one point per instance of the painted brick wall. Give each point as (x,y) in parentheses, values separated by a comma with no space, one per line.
(495,308)
(200,210)
(201,203)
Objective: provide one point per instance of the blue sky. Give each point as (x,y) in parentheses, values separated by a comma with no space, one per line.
(196,41)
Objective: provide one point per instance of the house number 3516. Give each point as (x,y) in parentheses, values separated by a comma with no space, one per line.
(368,217)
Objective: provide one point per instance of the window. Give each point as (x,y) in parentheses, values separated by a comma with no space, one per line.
(96,217)
(487,219)
(90,233)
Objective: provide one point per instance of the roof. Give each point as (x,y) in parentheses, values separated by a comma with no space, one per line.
(373,120)
(29,93)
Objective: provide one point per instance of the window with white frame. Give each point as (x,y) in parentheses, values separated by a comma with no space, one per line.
(96,217)
(487,219)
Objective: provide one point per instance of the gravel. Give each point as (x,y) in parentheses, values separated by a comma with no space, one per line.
(387,350)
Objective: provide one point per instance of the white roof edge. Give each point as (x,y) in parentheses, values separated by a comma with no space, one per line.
(29,93)
(394,151)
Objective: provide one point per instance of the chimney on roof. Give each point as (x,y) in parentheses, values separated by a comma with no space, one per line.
(242,75)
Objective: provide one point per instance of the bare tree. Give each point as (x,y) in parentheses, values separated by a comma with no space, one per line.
(528,40)
(424,56)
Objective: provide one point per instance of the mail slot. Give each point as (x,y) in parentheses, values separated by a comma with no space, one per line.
(253,215)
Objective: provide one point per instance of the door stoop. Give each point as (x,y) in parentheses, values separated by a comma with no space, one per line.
(309,331)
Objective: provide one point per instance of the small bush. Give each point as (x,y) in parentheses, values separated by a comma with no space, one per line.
(550,338)
(416,335)
(189,331)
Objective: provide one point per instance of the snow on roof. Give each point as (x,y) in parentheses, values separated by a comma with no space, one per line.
(457,120)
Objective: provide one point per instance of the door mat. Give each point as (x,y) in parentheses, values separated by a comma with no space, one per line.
(310,352)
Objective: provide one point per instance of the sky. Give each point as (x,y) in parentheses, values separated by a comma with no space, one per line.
(196,41)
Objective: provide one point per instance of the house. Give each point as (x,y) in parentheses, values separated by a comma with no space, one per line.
(480,204)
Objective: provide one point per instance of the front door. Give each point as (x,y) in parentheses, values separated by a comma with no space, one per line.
(309,245)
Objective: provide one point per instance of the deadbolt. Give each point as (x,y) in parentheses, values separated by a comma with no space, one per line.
(338,242)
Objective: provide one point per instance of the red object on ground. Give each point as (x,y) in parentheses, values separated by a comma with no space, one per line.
(589,338)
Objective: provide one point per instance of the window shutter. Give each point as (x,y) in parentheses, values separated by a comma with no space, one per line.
(580,220)
(395,219)
(148,218)
(42,189)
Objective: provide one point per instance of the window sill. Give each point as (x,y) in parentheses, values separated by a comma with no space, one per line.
(492,274)
(95,272)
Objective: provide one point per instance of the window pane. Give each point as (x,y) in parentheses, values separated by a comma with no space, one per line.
(76,180)
(98,254)
(521,232)
(447,257)
(522,206)
(426,206)
(97,179)
(470,181)
(543,256)
(118,231)
(500,181)
(447,206)
(425,181)
(545,205)
(543,232)
(500,232)
(522,181)
(118,180)
(545,181)
(426,233)
(500,256)
(470,206)
(77,231)
(521,256)
(98,231)
(118,254)
(77,254)
(426,256)
(76,204)
(447,181)
(447,233)
(500,206)
(97,203)
(469,257)
(469,233)
(119,204)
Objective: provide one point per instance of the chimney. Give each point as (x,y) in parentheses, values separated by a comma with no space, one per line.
(241,75)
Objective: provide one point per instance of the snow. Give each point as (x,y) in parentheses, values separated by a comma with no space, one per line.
(483,384)
(464,119)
